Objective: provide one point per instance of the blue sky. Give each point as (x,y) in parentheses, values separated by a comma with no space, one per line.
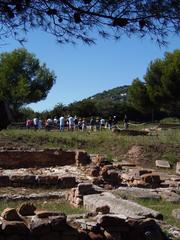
(83,71)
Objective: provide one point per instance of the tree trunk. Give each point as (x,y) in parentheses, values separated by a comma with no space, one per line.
(5,115)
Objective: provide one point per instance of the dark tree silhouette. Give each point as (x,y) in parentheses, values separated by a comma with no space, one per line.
(73,20)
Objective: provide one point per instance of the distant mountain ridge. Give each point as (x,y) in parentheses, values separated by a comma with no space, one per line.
(114,94)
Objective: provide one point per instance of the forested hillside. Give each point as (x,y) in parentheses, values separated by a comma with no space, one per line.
(115,94)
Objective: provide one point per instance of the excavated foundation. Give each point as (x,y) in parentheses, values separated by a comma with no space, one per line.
(90,179)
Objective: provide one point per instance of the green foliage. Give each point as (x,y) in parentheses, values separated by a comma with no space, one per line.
(72,21)
(170,120)
(23,79)
(163,82)
(25,113)
(161,88)
(85,108)
(115,94)
(170,157)
(138,96)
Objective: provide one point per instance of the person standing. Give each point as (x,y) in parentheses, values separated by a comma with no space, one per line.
(102,123)
(71,123)
(110,123)
(126,122)
(35,123)
(61,123)
(92,123)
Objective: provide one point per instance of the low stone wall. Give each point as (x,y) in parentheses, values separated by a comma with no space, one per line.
(36,181)
(27,223)
(12,159)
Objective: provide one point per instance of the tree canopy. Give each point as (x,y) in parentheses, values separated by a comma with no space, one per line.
(161,86)
(23,79)
(73,20)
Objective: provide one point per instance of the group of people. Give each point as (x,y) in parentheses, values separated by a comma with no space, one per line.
(74,123)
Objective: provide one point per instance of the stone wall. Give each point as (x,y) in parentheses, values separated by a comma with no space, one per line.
(12,159)
(36,181)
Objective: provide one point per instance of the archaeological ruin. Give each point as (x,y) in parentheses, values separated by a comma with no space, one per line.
(105,190)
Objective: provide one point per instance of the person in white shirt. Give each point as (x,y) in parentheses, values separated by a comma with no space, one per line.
(102,123)
(35,123)
(61,123)
(71,123)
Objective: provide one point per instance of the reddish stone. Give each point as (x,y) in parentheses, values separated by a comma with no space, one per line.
(82,158)
(96,236)
(94,172)
(98,158)
(151,179)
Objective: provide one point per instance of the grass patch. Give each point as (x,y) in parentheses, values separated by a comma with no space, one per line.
(163,207)
(51,205)
(102,142)
(170,157)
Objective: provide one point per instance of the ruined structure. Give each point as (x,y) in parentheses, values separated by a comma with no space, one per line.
(91,181)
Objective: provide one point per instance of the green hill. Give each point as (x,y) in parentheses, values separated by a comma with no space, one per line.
(115,94)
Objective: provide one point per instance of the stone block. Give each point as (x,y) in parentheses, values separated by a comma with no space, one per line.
(176,213)
(178,168)
(10,214)
(59,223)
(170,196)
(39,226)
(82,158)
(47,180)
(152,179)
(162,164)
(94,172)
(4,181)
(27,209)
(98,158)
(113,177)
(84,188)
(113,223)
(121,207)
(136,173)
(22,180)
(95,236)
(47,214)
(14,227)
(67,182)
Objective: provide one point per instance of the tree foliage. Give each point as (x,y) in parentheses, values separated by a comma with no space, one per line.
(163,82)
(138,96)
(161,87)
(23,79)
(73,20)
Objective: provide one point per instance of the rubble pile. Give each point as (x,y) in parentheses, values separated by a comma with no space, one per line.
(28,223)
